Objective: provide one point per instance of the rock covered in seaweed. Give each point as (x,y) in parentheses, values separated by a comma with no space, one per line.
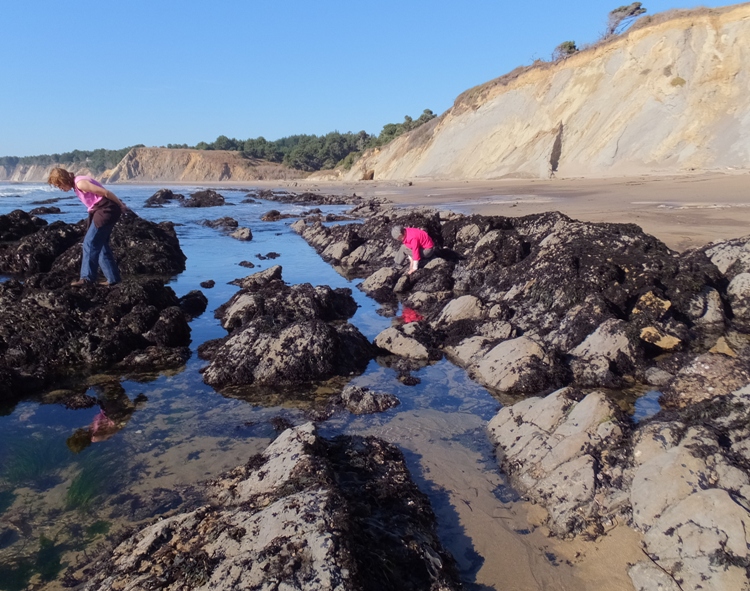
(308,513)
(597,302)
(141,247)
(285,335)
(50,331)
(205,198)
(162,197)
(17,224)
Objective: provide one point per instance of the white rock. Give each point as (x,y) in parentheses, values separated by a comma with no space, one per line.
(393,341)
(511,364)
(467,307)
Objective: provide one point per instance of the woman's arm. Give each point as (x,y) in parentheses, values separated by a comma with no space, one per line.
(90,187)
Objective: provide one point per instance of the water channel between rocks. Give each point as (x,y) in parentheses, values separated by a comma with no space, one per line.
(59,501)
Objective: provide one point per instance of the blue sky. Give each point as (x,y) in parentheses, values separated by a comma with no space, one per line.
(86,75)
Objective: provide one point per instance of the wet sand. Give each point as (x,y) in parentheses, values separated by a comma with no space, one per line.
(683,211)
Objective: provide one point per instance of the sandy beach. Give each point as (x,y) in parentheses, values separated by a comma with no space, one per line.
(683,211)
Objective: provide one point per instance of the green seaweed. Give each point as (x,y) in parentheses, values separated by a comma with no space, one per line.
(48,560)
(7,497)
(97,528)
(98,473)
(15,577)
(35,462)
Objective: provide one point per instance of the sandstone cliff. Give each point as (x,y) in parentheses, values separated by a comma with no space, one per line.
(166,165)
(670,96)
(147,165)
(31,173)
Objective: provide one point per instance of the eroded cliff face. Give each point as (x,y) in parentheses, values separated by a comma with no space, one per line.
(31,173)
(669,97)
(167,165)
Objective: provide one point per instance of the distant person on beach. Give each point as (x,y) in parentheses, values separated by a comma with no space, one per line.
(416,244)
(104,209)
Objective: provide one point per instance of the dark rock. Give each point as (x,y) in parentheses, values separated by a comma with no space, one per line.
(308,198)
(225,223)
(207,198)
(208,284)
(194,303)
(141,247)
(163,196)
(78,401)
(47,333)
(271,216)
(247,264)
(285,335)
(17,224)
(155,358)
(44,210)
(47,201)
(39,251)
(555,279)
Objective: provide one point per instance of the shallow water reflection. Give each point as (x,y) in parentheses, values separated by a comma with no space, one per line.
(71,479)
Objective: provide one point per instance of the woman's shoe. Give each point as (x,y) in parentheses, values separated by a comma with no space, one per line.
(108,284)
(79,282)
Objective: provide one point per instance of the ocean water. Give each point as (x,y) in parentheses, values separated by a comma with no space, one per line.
(64,493)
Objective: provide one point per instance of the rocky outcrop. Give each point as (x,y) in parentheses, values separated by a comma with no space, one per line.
(194,166)
(306,198)
(681,477)
(205,198)
(651,86)
(162,197)
(535,303)
(285,335)
(140,247)
(51,331)
(556,450)
(17,224)
(307,514)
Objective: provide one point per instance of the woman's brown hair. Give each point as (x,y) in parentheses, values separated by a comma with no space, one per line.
(62,179)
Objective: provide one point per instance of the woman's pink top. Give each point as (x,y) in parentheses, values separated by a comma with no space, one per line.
(418,240)
(88,198)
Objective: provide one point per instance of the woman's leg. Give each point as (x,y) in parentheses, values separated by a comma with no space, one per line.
(93,243)
(109,265)
(90,261)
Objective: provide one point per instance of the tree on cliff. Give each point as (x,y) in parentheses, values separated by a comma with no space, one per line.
(565,49)
(622,17)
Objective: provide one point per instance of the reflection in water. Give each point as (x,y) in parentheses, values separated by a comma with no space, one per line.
(409,315)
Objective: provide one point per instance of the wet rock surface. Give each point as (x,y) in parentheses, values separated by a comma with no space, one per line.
(285,335)
(206,198)
(308,513)
(306,198)
(681,477)
(140,247)
(162,197)
(548,307)
(596,305)
(52,331)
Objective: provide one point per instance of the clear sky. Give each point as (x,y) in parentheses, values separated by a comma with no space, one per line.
(81,74)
